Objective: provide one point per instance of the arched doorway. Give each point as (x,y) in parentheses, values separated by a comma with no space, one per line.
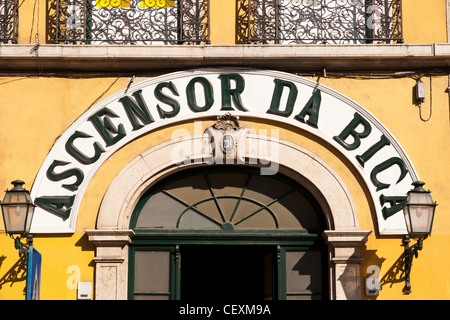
(113,235)
(217,232)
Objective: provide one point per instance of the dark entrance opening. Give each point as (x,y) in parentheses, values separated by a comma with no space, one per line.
(226,272)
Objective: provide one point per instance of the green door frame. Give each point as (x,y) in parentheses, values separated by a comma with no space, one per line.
(282,240)
(155,237)
(283,293)
(174,272)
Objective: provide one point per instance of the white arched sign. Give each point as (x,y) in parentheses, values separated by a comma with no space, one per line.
(190,95)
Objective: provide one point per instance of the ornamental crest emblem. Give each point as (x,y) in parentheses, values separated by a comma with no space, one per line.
(227,121)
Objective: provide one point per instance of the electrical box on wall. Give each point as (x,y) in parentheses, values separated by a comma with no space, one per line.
(419,92)
(84,290)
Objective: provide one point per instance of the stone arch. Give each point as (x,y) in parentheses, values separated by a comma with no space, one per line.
(112,233)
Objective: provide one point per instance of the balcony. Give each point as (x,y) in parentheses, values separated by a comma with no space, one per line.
(8,21)
(174,22)
(145,36)
(320,21)
(131,22)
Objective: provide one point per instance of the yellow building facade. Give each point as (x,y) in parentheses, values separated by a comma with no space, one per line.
(76,129)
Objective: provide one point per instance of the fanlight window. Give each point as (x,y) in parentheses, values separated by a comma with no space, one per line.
(138,22)
(8,21)
(227,231)
(227,201)
(322,21)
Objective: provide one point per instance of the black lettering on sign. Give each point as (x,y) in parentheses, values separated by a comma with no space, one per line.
(311,109)
(383,166)
(192,96)
(60,205)
(350,130)
(103,124)
(77,173)
(167,100)
(136,110)
(77,154)
(276,98)
(396,203)
(372,150)
(228,93)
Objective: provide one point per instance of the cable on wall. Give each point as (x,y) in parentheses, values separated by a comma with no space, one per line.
(35,49)
(419,96)
(431,103)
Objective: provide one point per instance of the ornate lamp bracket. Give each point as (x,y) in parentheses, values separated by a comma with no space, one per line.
(411,252)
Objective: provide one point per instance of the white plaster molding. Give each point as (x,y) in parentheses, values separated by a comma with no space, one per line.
(158,162)
(99,58)
(111,262)
(302,165)
(345,259)
(346,238)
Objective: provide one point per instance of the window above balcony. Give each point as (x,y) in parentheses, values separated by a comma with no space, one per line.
(8,21)
(139,22)
(320,21)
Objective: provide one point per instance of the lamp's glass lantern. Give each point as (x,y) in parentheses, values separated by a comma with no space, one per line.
(17,209)
(419,211)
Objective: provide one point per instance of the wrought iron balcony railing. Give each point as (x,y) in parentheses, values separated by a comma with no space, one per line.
(8,21)
(320,21)
(139,22)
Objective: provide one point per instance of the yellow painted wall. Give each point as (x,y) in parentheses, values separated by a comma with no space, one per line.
(33,117)
(36,118)
(223,23)
(424,21)
(428,147)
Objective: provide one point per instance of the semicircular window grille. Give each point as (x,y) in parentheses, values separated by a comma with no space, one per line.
(227,199)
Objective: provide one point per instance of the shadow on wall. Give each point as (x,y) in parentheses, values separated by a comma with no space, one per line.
(17,273)
(394,275)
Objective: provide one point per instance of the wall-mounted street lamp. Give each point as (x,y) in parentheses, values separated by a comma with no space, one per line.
(419,211)
(17,211)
